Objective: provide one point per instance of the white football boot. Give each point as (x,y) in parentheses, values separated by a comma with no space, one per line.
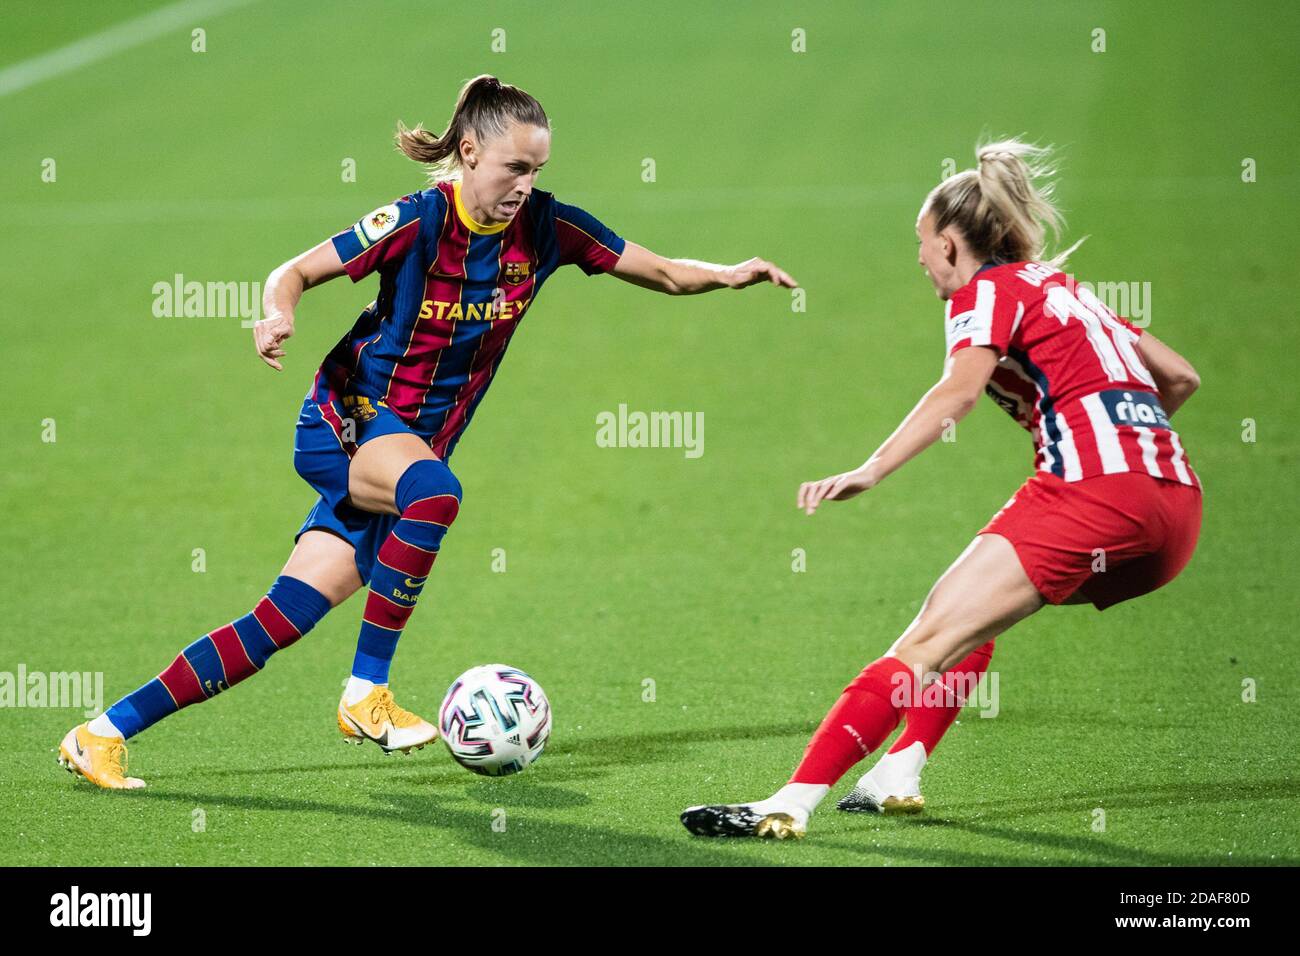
(892,786)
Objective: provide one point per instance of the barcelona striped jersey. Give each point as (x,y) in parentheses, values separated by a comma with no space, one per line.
(451,294)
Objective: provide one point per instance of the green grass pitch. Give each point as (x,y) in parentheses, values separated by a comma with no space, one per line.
(628,565)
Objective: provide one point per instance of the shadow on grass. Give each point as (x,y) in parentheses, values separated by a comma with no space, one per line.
(589,755)
(915,854)
(1096,849)
(1135,796)
(420,803)
(526,839)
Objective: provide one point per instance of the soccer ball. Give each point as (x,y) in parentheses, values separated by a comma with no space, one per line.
(495,720)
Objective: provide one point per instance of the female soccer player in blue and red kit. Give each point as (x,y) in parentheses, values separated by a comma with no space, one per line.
(1112,512)
(460,265)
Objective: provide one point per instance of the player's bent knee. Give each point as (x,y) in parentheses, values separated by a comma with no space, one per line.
(429,491)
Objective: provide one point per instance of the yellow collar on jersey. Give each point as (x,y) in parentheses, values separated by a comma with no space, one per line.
(470,224)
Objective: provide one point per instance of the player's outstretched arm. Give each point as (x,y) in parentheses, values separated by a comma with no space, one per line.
(1174,376)
(284,287)
(639,266)
(964,377)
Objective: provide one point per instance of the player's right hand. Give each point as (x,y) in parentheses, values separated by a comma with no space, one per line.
(744,274)
(268,334)
(841,487)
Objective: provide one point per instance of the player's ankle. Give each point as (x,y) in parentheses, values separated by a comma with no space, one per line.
(800,797)
(357,689)
(101,726)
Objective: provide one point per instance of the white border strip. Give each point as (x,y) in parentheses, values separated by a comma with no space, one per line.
(106,43)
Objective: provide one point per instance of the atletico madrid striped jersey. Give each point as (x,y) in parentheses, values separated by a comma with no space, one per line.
(451,294)
(1068,371)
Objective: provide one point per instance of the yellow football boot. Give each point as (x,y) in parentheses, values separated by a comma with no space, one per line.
(377,717)
(101,760)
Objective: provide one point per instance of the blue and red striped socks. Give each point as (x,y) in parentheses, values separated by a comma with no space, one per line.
(224,657)
(428,498)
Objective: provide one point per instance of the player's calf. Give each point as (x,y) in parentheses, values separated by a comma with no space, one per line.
(216,661)
(893,785)
(428,497)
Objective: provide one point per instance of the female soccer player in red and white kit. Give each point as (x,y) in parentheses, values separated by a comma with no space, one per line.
(1112,511)
(459,263)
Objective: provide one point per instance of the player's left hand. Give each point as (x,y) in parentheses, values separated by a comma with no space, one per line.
(758,270)
(268,337)
(839,487)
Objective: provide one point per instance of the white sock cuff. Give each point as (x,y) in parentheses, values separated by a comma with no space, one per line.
(101,726)
(357,689)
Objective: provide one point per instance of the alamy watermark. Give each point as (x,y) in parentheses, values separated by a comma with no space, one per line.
(1132,300)
(633,429)
(84,689)
(130,910)
(961,688)
(191,299)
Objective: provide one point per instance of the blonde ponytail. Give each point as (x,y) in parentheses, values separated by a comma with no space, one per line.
(485,107)
(1005,208)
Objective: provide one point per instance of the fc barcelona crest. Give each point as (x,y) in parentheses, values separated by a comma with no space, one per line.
(359,407)
(517,272)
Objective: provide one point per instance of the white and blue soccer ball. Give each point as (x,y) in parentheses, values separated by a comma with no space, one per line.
(495,719)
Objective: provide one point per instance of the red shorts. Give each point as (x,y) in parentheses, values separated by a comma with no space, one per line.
(1111,537)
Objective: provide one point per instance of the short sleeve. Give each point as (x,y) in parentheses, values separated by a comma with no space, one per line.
(979,314)
(585,241)
(379,238)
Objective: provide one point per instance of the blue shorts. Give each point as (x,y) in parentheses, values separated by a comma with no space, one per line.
(325,440)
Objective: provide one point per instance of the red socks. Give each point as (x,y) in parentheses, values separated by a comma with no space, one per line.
(858,723)
(929,722)
(871,707)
